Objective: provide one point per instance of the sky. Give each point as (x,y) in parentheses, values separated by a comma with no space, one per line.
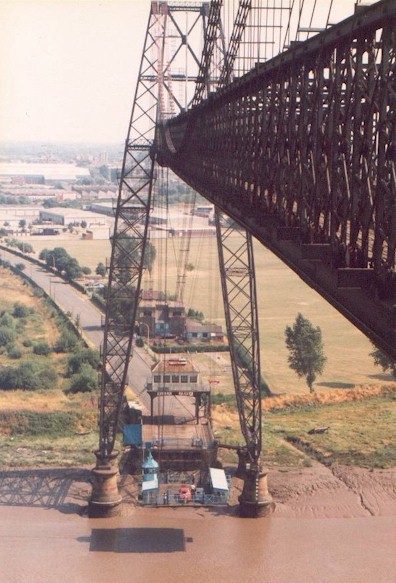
(68,68)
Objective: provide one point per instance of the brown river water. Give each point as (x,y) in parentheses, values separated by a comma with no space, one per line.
(329,526)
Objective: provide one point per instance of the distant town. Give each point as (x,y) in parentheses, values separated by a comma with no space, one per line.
(47,189)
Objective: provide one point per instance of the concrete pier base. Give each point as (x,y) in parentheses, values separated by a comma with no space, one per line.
(105,498)
(255,500)
(242,464)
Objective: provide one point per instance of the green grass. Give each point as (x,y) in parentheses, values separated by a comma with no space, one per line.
(60,437)
(360,433)
(26,451)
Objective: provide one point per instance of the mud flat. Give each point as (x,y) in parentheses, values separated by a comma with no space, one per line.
(331,525)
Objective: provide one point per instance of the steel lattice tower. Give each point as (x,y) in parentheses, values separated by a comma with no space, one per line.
(167,60)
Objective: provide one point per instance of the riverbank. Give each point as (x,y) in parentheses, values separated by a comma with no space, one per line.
(319,491)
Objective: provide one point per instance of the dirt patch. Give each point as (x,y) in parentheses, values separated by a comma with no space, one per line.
(341,491)
(327,397)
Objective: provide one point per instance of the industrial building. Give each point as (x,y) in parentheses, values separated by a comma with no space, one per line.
(11,215)
(40,173)
(65,216)
(160,317)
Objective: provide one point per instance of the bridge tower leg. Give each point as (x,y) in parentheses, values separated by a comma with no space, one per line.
(255,500)
(105,498)
(166,48)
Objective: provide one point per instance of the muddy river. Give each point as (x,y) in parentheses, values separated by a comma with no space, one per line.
(333,526)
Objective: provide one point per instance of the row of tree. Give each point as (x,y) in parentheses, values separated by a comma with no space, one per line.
(64,263)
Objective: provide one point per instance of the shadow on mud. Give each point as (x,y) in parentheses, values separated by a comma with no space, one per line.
(65,490)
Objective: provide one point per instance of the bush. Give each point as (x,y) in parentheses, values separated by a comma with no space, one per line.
(77,360)
(66,342)
(42,348)
(21,311)
(48,378)
(223,399)
(7,320)
(7,335)
(85,381)
(27,376)
(27,343)
(54,424)
(20,266)
(139,342)
(101,269)
(14,352)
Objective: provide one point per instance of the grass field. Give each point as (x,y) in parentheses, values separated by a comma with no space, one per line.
(281,295)
(361,430)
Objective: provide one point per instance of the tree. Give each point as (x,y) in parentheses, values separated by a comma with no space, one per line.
(382,360)
(21,310)
(28,376)
(66,342)
(100,269)
(7,335)
(42,348)
(150,254)
(25,247)
(305,346)
(195,315)
(72,269)
(85,381)
(43,255)
(86,356)
(22,224)
(84,224)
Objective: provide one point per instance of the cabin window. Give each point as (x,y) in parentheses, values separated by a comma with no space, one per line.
(175,378)
(184,378)
(157,378)
(194,378)
(167,378)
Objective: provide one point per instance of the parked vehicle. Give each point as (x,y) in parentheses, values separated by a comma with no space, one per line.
(185,494)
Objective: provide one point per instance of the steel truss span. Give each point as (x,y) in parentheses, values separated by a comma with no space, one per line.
(301,151)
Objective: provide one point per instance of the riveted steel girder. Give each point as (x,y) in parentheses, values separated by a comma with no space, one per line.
(302,152)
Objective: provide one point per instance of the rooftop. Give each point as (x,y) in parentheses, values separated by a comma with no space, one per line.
(174,365)
(49,171)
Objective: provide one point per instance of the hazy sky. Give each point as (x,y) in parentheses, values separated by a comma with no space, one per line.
(68,68)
